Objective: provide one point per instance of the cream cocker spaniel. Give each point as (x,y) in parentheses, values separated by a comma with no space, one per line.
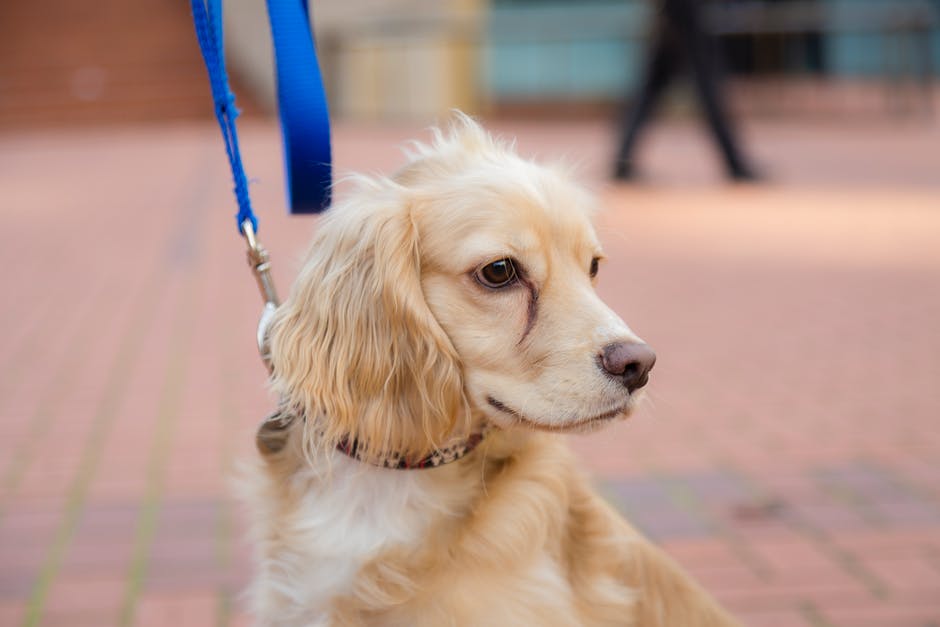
(442,334)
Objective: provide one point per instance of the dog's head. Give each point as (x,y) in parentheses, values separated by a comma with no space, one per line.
(462,288)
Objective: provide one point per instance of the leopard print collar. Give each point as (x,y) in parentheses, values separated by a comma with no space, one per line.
(272,437)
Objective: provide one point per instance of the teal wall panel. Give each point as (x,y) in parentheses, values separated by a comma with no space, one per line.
(594,49)
(585,50)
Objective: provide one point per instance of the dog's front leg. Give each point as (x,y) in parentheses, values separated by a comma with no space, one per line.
(663,595)
(667,596)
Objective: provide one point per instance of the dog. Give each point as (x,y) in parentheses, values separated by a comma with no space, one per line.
(442,334)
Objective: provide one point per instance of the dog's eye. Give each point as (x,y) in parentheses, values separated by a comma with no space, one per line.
(594,263)
(497,274)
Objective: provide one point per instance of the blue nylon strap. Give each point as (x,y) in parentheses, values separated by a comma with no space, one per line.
(305,122)
(207,17)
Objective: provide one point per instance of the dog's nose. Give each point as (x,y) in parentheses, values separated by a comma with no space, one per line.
(629,363)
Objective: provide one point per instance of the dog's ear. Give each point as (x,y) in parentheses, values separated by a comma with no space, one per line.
(355,346)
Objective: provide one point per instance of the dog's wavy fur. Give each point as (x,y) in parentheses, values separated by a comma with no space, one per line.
(356,341)
(381,341)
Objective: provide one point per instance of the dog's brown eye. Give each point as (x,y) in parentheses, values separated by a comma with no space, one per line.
(594,263)
(497,274)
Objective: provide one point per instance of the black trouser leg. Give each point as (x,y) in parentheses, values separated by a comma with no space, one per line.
(706,71)
(660,68)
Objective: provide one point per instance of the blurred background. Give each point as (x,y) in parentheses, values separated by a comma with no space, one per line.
(67,62)
(789,455)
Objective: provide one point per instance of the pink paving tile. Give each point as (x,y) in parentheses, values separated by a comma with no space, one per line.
(81,594)
(98,558)
(881,614)
(890,542)
(783,598)
(795,554)
(912,572)
(772,533)
(704,552)
(911,511)
(192,609)
(25,536)
(12,612)
(773,618)
(834,576)
(242,619)
(184,552)
(85,618)
(721,577)
(832,518)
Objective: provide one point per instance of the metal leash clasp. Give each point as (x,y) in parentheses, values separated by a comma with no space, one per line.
(260,263)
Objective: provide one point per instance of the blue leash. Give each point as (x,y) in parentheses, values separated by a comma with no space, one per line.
(305,125)
(305,121)
(304,118)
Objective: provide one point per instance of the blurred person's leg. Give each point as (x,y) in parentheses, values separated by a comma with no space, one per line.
(702,53)
(662,64)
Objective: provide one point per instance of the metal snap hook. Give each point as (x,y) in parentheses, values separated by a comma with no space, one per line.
(260,263)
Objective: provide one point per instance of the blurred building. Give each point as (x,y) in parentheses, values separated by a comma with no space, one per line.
(415,58)
(381,59)
(67,62)
(591,49)
(64,61)
(418,58)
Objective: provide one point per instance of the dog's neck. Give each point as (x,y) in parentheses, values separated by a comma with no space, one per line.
(272,437)
(438,457)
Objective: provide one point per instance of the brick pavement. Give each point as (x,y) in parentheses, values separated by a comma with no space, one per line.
(787,457)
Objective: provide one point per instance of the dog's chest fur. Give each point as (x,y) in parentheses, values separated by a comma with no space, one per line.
(338,519)
(364,545)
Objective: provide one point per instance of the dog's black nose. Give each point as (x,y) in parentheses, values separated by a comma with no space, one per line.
(628,362)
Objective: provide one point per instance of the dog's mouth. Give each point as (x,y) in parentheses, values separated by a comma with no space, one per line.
(580,424)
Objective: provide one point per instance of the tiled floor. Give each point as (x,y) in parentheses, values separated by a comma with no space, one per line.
(788,456)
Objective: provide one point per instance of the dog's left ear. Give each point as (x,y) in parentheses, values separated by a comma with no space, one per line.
(356,348)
